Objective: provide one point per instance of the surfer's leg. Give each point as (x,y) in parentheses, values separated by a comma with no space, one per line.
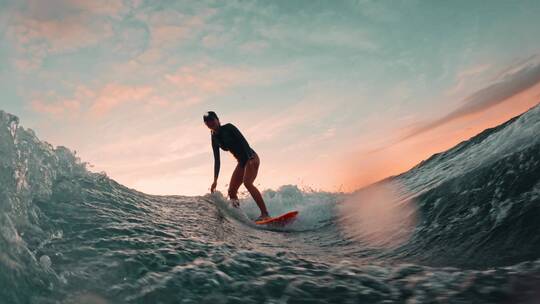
(236,181)
(250,173)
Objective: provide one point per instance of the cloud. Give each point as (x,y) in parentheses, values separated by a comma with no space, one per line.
(114,95)
(206,78)
(510,84)
(58,9)
(186,86)
(38,29)
(465,75)
(89,102)
(52,104)
(59,35)
(99,7)
(157,152)
(168,35)
(324,36)
(170,28)
(288,122)
(58,109)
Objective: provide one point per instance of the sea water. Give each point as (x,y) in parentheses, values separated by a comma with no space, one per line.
(461,227)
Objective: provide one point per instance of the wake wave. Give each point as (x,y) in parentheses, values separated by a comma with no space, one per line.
(316,208)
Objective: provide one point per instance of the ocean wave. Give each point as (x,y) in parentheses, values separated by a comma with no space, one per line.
(460,227)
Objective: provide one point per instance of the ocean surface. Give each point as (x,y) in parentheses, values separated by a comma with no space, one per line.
(461,227)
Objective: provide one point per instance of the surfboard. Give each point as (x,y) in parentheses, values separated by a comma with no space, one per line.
(281,220)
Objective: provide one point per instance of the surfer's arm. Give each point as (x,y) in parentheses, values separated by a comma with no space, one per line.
(215,148)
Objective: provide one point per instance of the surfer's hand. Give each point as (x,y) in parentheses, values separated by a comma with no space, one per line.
(213,187)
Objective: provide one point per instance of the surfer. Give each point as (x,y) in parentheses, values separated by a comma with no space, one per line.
(229,138)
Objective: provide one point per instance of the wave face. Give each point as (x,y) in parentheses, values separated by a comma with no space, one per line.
(460,227)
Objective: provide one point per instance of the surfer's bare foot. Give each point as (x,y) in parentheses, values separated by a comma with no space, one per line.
(262,217)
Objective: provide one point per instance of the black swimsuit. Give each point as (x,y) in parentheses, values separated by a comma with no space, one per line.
(230,139)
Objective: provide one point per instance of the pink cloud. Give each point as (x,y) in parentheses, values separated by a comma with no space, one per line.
(59,8)
(169,35)
(159,152)
(190,84)
(59,36)
(100,7)
(50,27)
(187,86)
(52,104)
(89,102)
(58,109)
(465,75)
(169,28)
(204,78)
(114,95)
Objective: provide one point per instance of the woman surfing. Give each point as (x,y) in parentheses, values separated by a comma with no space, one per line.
(229,138)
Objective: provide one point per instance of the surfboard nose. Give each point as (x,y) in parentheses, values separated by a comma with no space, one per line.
(279,220)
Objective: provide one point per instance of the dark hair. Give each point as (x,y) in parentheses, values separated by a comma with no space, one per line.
(210,115)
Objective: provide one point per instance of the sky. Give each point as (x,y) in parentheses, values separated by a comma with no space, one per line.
(332,95)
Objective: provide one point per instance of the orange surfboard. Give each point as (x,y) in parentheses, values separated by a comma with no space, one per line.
(281,220)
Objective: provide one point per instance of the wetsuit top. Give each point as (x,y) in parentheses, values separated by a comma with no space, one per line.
(229,138)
